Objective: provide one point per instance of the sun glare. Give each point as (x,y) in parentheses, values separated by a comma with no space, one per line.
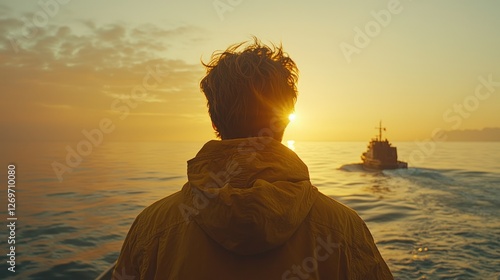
(292,117)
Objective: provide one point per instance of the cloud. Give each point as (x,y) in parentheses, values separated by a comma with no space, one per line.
(79,69)
(125,97)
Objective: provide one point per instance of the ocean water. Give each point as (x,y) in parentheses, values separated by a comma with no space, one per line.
(439,219)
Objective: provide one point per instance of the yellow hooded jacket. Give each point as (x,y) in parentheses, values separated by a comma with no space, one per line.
(249,211)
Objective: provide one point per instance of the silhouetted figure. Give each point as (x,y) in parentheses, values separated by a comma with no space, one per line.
(249,210)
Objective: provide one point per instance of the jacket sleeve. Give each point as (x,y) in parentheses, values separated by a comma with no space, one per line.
(129,262)
(370,263)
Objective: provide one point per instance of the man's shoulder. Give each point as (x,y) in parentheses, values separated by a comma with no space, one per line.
(346,227)
(335,216)
(162,214)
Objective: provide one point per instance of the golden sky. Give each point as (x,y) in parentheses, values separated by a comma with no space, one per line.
(68,66)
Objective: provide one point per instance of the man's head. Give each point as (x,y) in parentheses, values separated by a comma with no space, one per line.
(250,92)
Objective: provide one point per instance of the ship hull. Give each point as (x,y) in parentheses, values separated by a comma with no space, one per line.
(380,165)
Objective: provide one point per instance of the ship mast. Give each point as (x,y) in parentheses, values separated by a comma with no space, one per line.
(380,131)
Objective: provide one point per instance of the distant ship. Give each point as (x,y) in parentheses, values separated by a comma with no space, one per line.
(381,155)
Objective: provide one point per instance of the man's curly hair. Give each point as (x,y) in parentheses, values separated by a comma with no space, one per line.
(250,92)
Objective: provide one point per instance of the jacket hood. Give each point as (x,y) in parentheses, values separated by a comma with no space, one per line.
(249,195)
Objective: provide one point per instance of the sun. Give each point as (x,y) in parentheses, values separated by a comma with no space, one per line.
(292,117)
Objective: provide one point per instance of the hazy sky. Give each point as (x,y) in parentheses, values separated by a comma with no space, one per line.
(134,66)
